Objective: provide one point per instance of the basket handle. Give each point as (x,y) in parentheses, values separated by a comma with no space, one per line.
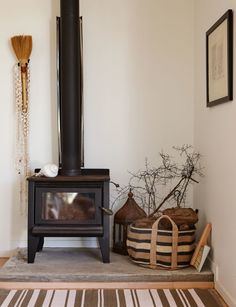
(154,237)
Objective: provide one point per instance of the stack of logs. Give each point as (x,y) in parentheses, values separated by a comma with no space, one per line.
(184,218)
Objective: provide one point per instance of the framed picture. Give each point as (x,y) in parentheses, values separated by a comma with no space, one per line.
(219,60)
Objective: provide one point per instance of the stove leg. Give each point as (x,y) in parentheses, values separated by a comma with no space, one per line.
(40,245)
(33,243)
(105,249)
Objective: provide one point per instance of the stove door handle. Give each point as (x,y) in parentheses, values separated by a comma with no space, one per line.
(106,211)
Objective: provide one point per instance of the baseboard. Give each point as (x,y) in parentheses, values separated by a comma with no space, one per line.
(7,253)
(53,242)
(219,287)
(71,242)
(225,295)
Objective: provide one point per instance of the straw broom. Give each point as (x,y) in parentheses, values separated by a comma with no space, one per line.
(22,46)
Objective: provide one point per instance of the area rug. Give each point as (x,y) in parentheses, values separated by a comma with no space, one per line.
(110,298)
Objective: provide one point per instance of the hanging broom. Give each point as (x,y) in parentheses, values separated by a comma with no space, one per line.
(22,46)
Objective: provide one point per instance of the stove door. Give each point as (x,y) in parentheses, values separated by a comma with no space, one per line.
(68,206)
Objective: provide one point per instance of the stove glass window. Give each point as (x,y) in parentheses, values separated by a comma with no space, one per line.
(68,206)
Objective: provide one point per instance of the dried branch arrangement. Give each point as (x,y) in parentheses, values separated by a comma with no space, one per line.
(171,179)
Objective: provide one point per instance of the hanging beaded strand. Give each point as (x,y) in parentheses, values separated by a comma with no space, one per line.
(22,129)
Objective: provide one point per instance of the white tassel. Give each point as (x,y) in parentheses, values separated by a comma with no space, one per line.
(22,151)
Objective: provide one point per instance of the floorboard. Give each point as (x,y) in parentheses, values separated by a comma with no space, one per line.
(106,285)
(3,261)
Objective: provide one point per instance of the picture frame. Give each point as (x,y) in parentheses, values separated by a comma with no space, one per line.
(219,60)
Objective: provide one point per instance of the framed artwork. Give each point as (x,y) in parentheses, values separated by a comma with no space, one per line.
(219,60)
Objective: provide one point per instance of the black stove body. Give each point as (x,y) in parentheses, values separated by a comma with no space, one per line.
(69,207)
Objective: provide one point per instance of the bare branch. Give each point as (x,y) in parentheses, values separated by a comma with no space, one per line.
(148,184)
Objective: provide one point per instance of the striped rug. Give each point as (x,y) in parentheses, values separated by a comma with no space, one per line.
(110,298)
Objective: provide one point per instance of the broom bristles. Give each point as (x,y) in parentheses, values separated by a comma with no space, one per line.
(22,46)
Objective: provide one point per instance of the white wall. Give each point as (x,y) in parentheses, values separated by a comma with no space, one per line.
(138,62)
(34,18)
(138,70)
(215,138)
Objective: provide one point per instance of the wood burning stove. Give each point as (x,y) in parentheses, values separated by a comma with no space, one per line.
(75,203)
(69,207)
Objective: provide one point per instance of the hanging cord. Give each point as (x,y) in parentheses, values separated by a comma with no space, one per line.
(22,129)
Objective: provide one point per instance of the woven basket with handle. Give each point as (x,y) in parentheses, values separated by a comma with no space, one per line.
(152,247)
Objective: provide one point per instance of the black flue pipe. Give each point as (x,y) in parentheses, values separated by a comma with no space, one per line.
(70,89)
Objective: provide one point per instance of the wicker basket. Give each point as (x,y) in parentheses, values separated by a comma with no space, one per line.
(170,249)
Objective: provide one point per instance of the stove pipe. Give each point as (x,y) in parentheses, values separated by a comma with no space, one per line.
(70,90)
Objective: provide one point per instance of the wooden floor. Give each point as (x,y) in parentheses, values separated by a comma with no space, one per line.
(24,285)
(106,285)
(3,261)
